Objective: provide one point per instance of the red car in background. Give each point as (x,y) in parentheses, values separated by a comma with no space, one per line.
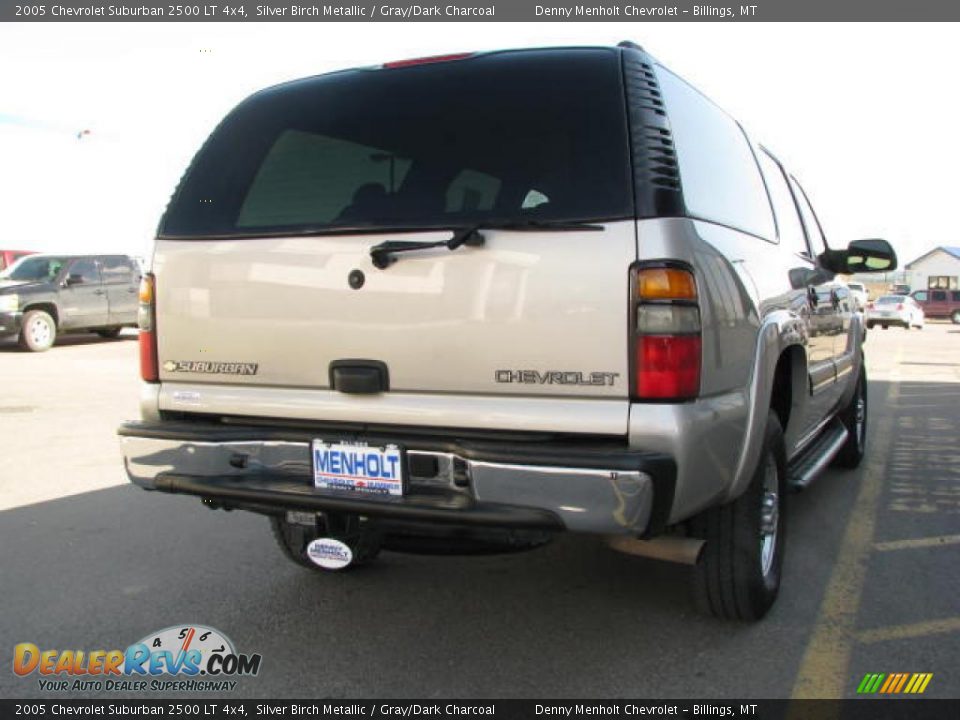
(8,257)
(939,303)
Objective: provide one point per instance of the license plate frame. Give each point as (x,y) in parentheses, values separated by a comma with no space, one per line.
(374,471)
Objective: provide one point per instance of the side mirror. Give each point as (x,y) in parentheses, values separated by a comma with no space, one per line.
(861,256)
(73,280)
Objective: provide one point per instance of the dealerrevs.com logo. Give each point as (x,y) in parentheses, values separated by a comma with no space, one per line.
(188,658)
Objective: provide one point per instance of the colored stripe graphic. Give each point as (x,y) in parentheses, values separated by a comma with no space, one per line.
(894,683)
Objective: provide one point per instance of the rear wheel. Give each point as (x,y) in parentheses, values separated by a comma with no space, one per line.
(39,331)
(109,333)
(738,575)
(294,537)
(869,326)
(854,419)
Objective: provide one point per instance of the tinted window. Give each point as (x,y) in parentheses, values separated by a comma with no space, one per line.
(719,174)
(956,296)
(938,295)
(920,295)
(117,270)
(788,222)
(890,300)
(33,268)
(814,233)
(85,271)
(500,137)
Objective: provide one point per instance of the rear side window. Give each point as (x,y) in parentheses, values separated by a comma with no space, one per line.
(502,137)
(788,221)
(920,296)
(938,295)
(955,295)
(117,270)
(814,232)
(718,171)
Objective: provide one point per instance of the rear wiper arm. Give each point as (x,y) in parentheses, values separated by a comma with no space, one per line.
(382,255)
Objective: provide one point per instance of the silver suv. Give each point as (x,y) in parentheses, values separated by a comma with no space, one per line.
(465,303)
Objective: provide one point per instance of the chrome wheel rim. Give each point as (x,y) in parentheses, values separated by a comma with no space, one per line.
(39,332)
(769,514)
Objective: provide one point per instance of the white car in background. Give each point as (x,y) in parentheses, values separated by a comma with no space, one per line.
(859,293)
(900,310)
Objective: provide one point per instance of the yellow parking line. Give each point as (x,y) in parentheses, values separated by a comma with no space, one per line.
(912,543)
(905,632)
(823,670)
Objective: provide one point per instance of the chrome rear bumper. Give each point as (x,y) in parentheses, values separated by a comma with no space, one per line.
(506,485)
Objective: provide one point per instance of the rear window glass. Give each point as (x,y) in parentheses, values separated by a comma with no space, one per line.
(890,299)
(538,135)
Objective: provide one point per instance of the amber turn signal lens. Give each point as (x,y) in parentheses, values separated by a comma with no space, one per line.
(665,283)
(146,289)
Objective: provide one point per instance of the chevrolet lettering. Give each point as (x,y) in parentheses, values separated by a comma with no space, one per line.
(535,377)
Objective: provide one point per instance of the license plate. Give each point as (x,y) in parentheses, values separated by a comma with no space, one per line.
(358,468)
(887,313)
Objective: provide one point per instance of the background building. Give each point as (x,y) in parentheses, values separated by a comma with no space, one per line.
(939,268)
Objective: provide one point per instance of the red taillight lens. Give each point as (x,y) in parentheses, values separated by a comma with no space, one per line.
(869,306)
(668,366)
(147,321)
(899,306)
(666,333)
(426,60)
(149,372)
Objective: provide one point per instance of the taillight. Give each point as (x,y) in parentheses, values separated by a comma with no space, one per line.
(666,332)
(870,306)
(147,322)
(899,306)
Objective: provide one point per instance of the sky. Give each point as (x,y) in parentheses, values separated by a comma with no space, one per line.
(865,115)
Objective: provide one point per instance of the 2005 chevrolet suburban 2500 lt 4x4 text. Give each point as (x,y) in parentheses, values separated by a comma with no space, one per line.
(474,300)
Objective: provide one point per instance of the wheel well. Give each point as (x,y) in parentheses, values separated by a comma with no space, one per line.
(48,308)
(790,371)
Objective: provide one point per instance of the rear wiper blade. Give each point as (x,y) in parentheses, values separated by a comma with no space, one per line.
(382,255)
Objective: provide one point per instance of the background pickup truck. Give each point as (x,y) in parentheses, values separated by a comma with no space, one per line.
(42,296)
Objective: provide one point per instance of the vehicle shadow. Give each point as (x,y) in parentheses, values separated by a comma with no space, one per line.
(65,341)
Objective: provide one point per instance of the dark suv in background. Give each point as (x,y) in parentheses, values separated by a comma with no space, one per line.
(42,296)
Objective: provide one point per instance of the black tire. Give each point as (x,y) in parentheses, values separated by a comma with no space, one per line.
(869,326)
(294,538)
(734,578)
(854,419)
(109,333)
(885,327)
(955,317)
(38,332)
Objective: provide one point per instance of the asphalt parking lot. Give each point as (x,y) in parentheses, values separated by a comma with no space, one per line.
(871,585)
